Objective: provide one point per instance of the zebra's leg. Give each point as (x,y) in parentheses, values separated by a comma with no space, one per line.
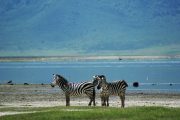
(67,99)
(122,97)
(107,101)
(94,96)
(102,101)
(91,98)
(90,101)
(94,102)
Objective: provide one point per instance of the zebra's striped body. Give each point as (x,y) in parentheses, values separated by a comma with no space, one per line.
(112,88)
(75,89)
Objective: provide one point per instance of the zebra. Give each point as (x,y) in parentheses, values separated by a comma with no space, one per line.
(75,89)
(112,88)
(104,94)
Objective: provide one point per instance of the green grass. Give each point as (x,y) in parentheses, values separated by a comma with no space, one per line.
(97,113)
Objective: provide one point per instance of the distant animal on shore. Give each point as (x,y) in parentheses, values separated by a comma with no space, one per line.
(26,83)
(10,82)
(136,84)
(111,88)
(75,89)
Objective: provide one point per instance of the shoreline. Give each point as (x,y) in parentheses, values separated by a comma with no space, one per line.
(81,58)
(45,96)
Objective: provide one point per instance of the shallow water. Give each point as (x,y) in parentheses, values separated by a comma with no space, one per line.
(151,75)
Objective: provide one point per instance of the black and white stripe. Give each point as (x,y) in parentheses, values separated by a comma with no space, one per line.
(75,89)
(111,88)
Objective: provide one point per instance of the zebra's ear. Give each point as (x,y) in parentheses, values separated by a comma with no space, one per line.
(103,77)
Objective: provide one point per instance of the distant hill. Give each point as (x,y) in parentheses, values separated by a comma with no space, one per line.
(89,27)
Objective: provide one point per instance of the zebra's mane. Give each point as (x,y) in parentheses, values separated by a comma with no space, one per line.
(64,79)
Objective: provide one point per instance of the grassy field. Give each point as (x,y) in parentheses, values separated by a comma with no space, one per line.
(94,113)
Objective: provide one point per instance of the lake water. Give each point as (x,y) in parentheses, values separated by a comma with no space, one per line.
(163,76)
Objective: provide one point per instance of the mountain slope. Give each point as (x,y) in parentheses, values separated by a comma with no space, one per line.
(81,27)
